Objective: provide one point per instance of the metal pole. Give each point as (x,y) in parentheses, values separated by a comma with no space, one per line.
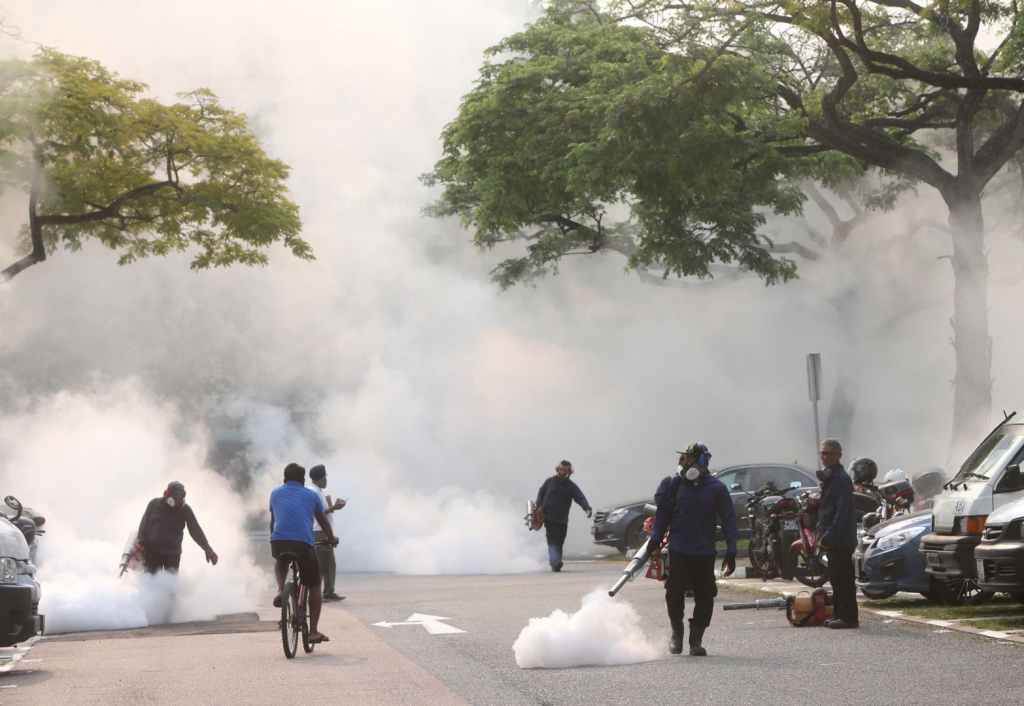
(817,431)
(814,392)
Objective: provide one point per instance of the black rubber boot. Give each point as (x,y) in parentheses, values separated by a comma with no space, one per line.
(696,634)
(675,643)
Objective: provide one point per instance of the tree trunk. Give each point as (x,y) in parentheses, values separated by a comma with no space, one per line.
(972,384)
(843,406)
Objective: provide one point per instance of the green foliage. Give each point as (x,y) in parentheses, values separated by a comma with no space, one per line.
(666,131)
(143,178)
(587,130)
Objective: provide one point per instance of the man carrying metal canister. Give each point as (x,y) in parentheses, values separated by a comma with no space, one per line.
(693,502)
(555,498)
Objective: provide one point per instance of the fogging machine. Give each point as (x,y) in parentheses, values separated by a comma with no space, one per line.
(802,610)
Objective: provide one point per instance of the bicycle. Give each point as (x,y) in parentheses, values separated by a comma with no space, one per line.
(294,604)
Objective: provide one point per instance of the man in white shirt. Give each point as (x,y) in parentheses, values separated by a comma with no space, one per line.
(328,567)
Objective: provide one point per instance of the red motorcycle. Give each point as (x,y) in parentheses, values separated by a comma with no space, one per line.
(806,560)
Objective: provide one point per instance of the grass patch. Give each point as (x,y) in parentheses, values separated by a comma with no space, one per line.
(1016,623)
(999,606)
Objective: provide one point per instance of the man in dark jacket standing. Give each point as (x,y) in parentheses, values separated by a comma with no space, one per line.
(699,502)
(555,498)
(163,527)
(837,534)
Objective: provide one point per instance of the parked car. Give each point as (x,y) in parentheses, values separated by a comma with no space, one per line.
(19,590)
(887,558)
(999,558)
(990,479)
(622,525)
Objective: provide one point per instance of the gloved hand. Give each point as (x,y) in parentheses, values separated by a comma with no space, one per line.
(822,545)
(211,557)
(653,548)
(729,564)
(589,513)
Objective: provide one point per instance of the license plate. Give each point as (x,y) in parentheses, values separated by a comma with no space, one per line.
(933,559)
(981,569)
(593,529)
(790,525)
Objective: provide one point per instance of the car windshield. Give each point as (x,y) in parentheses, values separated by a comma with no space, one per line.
(991,457)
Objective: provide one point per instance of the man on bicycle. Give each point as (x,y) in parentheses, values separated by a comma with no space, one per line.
(292,509)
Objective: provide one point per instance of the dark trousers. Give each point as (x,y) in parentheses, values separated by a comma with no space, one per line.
(698,574)
(328,567)
(555,532)
(844,584)
(153,562)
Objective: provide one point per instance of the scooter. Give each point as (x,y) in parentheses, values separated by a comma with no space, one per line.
(30,524)
(806,559)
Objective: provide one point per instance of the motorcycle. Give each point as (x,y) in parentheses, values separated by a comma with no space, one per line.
(894,498)
(28,522)
(773,527)
(806,560)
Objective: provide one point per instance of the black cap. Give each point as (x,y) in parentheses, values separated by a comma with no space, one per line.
(175,485)
(317,472)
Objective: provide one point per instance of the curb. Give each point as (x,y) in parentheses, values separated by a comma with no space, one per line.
(791,587)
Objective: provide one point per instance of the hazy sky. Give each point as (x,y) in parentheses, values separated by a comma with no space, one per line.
(413,372)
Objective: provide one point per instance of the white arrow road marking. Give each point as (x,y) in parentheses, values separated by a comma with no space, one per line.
(432,623)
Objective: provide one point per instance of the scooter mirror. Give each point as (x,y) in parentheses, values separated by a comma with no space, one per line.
(12,502)
(39,520)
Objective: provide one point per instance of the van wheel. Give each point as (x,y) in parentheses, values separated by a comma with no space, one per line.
(957,592)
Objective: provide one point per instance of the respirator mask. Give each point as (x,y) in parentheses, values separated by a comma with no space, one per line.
(690,473)
(175,495)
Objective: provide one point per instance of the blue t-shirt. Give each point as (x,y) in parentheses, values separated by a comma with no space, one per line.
(294,507)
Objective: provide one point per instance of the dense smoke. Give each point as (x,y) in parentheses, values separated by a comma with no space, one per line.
(603,631)
(438,404)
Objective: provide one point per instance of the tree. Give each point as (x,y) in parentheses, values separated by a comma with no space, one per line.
(98,160)
(792,89)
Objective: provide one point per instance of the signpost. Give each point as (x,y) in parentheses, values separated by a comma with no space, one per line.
(814,391)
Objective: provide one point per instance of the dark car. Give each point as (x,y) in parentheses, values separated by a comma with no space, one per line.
(887,558)
(622,526)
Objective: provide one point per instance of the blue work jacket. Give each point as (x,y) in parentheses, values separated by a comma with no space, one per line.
(694,522)
(559,501)
(837,523)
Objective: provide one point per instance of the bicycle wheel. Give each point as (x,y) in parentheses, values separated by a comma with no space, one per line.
(289,612)
(303,616)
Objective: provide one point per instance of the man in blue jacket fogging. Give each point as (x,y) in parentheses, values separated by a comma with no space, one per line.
(837,535)
(163,527)
(555,498)
(692,503)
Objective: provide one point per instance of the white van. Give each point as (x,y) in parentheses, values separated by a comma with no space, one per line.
(1000,556)
(19,590)
(989,480)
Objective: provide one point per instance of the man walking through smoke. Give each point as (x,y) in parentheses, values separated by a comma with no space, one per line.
(692,502)
(163,527)
(555,499)
(837,534)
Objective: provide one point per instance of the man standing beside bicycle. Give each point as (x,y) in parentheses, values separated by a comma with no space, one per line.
(293,507)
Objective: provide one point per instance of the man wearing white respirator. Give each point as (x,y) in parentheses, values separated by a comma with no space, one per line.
(693,502)
(163,527)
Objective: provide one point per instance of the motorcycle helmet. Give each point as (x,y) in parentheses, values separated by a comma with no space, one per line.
(895,475)
(929,482)
(863,470)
